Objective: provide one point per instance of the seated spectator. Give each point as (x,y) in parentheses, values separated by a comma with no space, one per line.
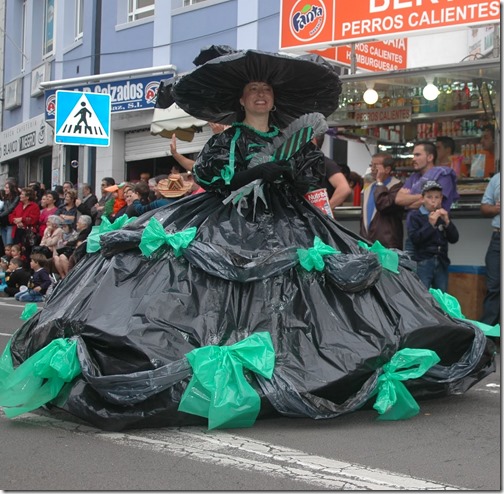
(8,251)
(17,277)
(38,283)
(68,212)
(49,207)
(4,269)
(63,255)
(167,191)
(53,235)
(85,205)
(120,203)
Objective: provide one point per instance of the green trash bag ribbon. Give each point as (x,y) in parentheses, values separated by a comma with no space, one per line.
(29,310)
(93,239)
(452,307)
(394,401)
(154,236)
(219,390)
(39,379)
(312,258)
(388,258)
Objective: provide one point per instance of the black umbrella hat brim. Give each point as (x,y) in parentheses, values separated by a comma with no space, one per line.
(212,91)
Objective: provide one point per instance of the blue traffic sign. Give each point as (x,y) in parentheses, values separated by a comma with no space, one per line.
(82,118)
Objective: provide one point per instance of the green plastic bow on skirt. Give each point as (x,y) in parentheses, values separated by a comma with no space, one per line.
(312,258)
(388,258)
(452,307)
(394,401)
(219,390)
(39,379)
(154,236)
(93,239)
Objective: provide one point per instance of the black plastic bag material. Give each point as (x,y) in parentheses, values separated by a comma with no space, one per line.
(137,317)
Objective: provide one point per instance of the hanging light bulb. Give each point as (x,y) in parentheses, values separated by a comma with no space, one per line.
(430,91)
(370,95)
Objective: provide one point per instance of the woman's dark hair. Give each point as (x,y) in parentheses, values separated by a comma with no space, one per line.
(58,189)
(53,194)
(13,190)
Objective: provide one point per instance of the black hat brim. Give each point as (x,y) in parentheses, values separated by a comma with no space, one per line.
(212,91)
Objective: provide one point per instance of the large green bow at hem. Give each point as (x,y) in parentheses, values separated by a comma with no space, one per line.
(452,307)
(93,239)
(154,236)
(312,258)
(394,401)
(388,258)
(38,379)
(219,390)
(29,310)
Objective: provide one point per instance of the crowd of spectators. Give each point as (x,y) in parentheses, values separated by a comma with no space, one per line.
(43,232)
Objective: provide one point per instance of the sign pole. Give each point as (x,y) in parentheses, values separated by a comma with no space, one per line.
(353,59)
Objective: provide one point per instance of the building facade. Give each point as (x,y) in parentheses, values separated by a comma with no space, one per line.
(123,48)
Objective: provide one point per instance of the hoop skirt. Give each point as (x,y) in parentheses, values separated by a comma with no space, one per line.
(135,317)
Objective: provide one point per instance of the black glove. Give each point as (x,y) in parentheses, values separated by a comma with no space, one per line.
(269,171)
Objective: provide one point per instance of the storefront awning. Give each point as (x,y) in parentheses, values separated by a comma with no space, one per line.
(174,120)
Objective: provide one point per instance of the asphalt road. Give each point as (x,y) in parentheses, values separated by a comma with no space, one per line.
(455,442)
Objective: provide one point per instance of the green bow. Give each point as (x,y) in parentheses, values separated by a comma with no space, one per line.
(219,390)
(93,239)
(28,311)
(312,258)
(452,307)
(154,236)
(388,258)
(39,379)
(394,401)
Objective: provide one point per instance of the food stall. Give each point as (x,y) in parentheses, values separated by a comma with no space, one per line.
(467,98)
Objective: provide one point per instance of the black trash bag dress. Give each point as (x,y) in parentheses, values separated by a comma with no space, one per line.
(135,317)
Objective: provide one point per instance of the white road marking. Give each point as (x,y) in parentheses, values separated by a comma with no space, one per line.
(5,334)
(233,451)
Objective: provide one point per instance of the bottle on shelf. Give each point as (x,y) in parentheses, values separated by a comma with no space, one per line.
(475,103)
(416,101)
(465,97)
(441,98)
(449,98)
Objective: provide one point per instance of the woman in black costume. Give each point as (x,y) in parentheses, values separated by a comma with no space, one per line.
(262,259)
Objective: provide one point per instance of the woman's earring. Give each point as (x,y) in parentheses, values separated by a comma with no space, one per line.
(273,108)
(242,108)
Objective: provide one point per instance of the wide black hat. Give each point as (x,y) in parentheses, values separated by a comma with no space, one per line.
(213,90)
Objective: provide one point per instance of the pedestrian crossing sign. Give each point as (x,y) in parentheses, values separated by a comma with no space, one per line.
(82,118)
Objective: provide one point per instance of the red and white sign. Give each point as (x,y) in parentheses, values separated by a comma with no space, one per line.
(323,22)
(383,115)
(380,56)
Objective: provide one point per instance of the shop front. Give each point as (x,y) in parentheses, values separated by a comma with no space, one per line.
(26,152)
(464,99)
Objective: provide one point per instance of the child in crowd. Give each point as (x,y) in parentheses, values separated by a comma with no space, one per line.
(17,253)
(40,282)
(431,229)
(7,251)
(4,268)
(16,277)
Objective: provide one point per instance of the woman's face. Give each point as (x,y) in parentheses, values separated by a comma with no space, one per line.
(257,97)
(23,197)
(7,189)
(68,199)
(43,201)
(49,200)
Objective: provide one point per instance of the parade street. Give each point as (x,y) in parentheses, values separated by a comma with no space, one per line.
(454,443)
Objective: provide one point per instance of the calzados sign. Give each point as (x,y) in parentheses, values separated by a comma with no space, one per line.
(320,22)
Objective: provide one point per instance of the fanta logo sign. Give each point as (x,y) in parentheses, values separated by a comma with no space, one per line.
(307,19)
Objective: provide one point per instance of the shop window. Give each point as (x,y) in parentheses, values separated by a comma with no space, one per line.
(140,9)
(48,45)
(79,19)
